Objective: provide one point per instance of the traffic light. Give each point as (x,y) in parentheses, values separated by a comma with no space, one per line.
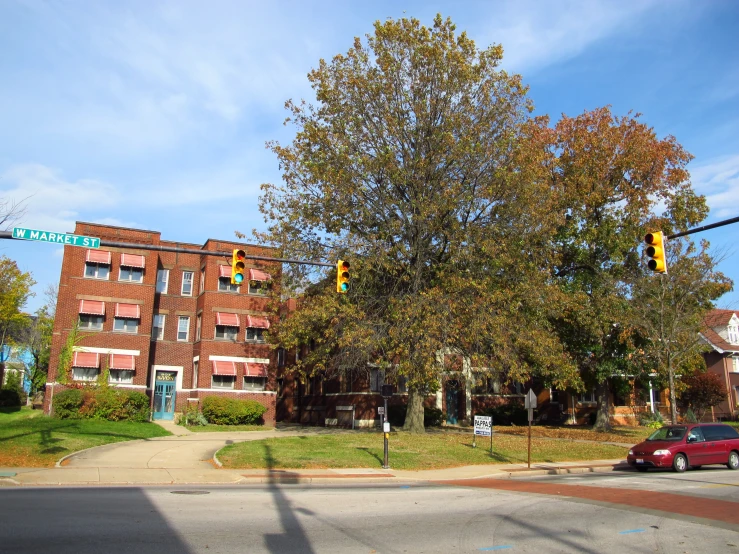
(342,276)
(656,251)
(237,267)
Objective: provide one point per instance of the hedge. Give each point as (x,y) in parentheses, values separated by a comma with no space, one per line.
(432,417)
(10,397)
(229,411)
(104,403)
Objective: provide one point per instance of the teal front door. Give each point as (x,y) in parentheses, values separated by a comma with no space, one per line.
(164,398)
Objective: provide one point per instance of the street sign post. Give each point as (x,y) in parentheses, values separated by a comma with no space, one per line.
(387,392)
(530,403)
(56,238)
(484,428)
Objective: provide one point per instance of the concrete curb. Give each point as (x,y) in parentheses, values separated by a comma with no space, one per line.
(109,446)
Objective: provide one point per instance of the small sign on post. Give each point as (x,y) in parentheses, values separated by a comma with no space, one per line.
(484,428)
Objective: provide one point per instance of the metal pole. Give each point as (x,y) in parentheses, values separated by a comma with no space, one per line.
(704,228)
(385,464)
(529,443)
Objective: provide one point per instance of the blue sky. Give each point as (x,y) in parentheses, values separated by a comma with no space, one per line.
(144,114)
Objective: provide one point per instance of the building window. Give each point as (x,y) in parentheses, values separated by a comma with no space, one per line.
(85,373)
(95,270)
(224,285)
(588,397)
(735,364)
(254,334)
(486,384)
(226,332)
(347,382)
(733,334)
(131,274)
(377,379)
(183,328)
(126,325)
(202,280)
(258,287)
(198,323)
(195,367)
(281,357)
(254,383)
(157,327)
(402,384)
(223,381)
(280,386)
(187,283)
(91,322)
(120,376)
(162,281)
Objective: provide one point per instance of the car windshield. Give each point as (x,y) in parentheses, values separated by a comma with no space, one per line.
(668,434)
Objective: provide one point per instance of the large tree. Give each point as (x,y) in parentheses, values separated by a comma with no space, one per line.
(611,174)
(15,289)
(670,309)
(410,166)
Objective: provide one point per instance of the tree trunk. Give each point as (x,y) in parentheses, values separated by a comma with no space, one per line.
(414,414)
(603,416)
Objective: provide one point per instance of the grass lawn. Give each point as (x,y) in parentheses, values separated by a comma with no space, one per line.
(622,434)
(225,428)
(30,439)
(406,451)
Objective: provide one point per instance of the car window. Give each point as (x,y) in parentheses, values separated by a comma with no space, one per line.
(668,434)
(695,435)
(719,432)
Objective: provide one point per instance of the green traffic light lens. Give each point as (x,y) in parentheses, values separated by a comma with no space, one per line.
(344,287)
(238,278)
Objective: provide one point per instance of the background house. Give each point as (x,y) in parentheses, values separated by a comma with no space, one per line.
(721,333)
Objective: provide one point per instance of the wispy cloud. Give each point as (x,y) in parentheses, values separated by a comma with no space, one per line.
(718,180)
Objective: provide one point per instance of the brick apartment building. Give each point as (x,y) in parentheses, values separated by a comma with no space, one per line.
(169,324)
(721,333)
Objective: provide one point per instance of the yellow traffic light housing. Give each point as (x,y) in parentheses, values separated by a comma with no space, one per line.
(342,277)
(238,267)
(656,252)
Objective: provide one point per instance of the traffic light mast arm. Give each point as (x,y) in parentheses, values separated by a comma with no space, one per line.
(9,235)
(703,228)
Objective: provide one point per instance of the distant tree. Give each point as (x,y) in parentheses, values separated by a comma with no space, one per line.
(413,166)
(670,309)
(35,338)
(15,289)
(703,391)
(11,212)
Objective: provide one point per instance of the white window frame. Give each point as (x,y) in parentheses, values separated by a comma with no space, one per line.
(85,373)
(97,266)
(202,280)
(99,320)
(733,334)
(257,332)
(225,285)
(198,327)
(232,335)
(588,397)
(255,383)
(223,385)
(195,369)
(160,334)
(162,279)
(180,319)
(120,376)
(126,324)
(735,364)
(185,280)
(131,273)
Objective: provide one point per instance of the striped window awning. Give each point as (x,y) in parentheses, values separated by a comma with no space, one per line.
(224,368)
(98,257)
(257,322)
(255,370)
(228,320)
(224,271)
(129,311)
(92,307)
(122,361)
(132,260)
(86,359)
(258,275)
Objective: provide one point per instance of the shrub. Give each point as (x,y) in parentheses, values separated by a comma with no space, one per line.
(228,411)
(690,417)
(10,397)
(67,404)
(106,403)
(651,420)
(507,414)
(432,417)
(192,416)
(703,391)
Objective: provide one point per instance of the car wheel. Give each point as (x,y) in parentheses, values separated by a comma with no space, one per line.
(680,463)
(733,460)
(642,469)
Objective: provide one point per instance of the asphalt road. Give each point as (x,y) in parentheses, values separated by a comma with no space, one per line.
(350,518)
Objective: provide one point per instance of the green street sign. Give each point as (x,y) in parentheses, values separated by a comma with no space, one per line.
(57,238)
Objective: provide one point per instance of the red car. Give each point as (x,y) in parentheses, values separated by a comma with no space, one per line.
(683,446)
